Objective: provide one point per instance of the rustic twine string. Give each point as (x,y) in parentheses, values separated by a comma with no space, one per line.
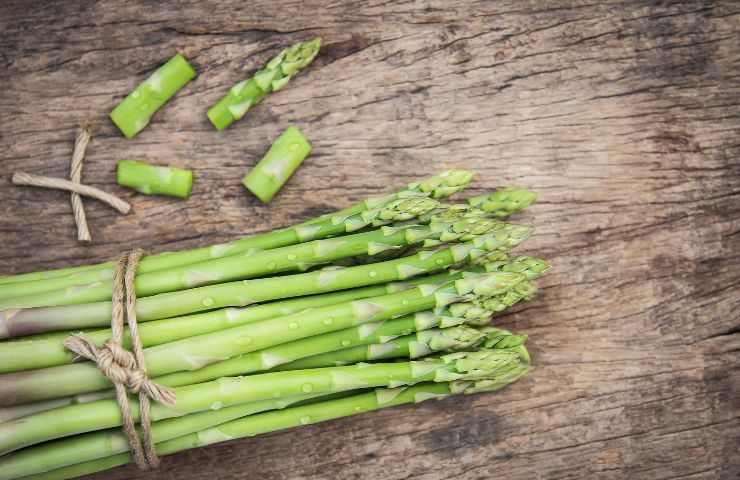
(22,178)
(75,175)
(124,369)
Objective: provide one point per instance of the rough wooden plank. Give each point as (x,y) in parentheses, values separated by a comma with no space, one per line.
(623,115)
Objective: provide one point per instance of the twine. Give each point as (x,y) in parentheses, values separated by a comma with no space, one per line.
(75,175)
(124,369)
(22,178)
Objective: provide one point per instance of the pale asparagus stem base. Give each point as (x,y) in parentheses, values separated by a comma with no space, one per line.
(227,391)
(242,293)
(440,186)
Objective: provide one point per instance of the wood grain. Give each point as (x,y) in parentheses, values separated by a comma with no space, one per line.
(623,115)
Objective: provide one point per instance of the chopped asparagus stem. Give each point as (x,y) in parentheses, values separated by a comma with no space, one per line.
(155,180)
(283,158)
(135,111)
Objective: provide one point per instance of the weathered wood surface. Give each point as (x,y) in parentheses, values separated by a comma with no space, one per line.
(622,115)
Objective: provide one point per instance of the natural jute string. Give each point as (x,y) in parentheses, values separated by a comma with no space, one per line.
(75,174)
(124,369)
(22,178)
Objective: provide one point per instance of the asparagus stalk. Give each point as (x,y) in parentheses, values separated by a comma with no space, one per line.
(274,76)
(270,262)
(18,322)
(443,185)
(154,180)
(86,447)
(299,415)
(135,111)
(504,202)
(96,285)
(352,342)
(438,186)
(278,164)
(197,352)
(227,391)
(20,354)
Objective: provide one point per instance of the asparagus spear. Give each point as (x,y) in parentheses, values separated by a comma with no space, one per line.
(18,322)
(270,262)
(95,445)
(443,185)
(278,164)
(154,180)
(505,201)
(323,349)
(274,76)
(20,354)
(439,186)
(135,111)
(96,285)
(298,415)
(197,352)
(227,391)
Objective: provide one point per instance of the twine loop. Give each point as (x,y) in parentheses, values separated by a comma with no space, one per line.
(127,370)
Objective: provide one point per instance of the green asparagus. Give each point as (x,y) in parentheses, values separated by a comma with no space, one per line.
(18,322)
(278,164)
(135,111)
(226,391)
(270,262)
(197,352)
(96,285)
(439,186)
(21,354)
(504,202)
(274,76)
(154,180)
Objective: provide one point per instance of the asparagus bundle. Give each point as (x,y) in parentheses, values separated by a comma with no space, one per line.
(262,333)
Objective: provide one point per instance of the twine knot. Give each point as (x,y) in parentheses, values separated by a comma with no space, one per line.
(126,370)
(120,367)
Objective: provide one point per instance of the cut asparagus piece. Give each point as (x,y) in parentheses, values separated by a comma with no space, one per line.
(95,285)
(194,353)
(21,354)
(227,391)
(155,180)
(19,322)
(135,111)
(439,186)
(278,164)
(274,76)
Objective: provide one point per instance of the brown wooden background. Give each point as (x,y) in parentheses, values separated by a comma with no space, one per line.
(622,115)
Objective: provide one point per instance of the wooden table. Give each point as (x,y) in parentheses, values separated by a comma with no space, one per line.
(622,115)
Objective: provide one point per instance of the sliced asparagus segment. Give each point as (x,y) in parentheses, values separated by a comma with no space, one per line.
(135,111)
(153,179)
(278,164)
